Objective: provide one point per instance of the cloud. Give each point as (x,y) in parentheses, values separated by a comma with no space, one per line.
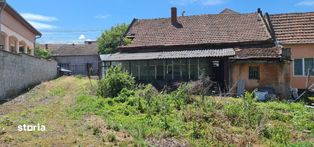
(42,26)
(103,16)
(37,17)
(82,37)
(213,2)
(305,3)
(202,2)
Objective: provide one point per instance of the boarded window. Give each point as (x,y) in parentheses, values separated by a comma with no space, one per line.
(254,72)
(298,67)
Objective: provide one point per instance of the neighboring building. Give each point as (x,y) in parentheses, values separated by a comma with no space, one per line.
(76,57)
(17,35)
(296,31)
(229,47)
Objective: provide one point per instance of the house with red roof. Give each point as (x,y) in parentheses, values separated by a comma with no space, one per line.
(235,50)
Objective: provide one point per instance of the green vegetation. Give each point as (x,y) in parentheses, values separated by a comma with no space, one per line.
(141,116)
(114,82)
(111,39)
(42,53)
(148,115)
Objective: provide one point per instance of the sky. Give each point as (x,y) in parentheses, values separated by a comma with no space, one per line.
(74,21)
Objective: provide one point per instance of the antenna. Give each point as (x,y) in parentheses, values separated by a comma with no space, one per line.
(183,13)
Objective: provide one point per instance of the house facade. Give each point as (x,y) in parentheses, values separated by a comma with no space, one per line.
(296,31)
(76,57)
(229,47)
(17,35)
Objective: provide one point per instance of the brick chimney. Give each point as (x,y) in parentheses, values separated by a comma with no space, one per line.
(174,16)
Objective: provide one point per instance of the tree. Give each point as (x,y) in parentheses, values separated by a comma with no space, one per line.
(112,38)
(42,53)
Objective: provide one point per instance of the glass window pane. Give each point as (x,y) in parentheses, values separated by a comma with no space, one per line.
(135,69)
(169,69)
(204,66)
(193,69)
(151,70)
(176,69)
(308,66)
(143,70)
(185,69)
(298,69)
(160,69)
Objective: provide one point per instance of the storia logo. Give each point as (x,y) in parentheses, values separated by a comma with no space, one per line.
(31,128)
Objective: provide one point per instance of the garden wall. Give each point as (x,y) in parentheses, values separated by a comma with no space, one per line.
(19,72)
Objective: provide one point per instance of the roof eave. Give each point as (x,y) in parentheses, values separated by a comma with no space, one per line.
(22,20)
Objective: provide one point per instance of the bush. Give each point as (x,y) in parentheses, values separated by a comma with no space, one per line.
(114,81)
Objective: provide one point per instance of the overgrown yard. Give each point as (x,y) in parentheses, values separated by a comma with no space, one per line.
(74,115)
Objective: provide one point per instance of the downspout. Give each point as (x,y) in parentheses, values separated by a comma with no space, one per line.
(37,37)
(1,9)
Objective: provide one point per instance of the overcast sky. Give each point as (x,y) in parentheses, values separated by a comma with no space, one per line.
(73,21)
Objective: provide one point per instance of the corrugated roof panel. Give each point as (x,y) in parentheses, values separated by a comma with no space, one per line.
(169,55)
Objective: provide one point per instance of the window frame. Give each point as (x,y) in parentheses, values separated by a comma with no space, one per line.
(258,73)
(293,68)
(303,67)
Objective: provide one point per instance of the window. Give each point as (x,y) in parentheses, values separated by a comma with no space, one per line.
(64,65)
(308,66)
(303,67)
(298,67)
(254,72)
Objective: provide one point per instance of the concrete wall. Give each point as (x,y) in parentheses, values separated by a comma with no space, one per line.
(78,64)
(275,75)
(298,52)
(19,71)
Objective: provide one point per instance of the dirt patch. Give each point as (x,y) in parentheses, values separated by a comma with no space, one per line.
(168,142)
(102,130)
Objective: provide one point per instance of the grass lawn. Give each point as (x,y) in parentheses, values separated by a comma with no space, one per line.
(75,116)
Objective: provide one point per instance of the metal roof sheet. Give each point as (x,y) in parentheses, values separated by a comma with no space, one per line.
(169,55)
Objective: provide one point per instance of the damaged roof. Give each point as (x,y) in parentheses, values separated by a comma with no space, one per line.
(198,30)
(257,52)
(293,28)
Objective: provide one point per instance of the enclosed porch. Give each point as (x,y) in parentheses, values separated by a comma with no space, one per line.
(173,66)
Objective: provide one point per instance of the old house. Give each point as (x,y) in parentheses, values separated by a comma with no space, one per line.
(17,35)
(76,57)
(296,31)
(228,47)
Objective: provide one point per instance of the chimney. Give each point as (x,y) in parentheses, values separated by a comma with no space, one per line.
(174,19)
(46,46)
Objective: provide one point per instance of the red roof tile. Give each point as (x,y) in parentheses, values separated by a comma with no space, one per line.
(199,29)
(293,28)
(260,52)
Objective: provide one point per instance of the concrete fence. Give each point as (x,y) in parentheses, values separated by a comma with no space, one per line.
(19,72)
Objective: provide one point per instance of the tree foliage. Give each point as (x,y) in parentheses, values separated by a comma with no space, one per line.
(42,52)
(112,38)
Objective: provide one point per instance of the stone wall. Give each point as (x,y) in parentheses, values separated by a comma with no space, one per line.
(19,72)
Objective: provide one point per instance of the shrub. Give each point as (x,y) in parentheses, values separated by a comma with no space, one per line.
(148,93)
(114,81)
